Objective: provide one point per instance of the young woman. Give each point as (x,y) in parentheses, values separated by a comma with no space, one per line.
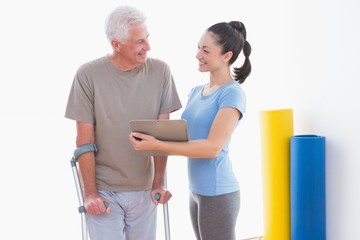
(213,111)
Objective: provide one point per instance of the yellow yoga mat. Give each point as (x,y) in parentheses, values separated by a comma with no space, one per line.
(276,131)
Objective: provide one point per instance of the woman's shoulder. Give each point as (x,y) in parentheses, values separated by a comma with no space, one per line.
(233,87)
(232,92)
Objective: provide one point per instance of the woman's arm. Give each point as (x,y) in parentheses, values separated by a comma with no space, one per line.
(220,131)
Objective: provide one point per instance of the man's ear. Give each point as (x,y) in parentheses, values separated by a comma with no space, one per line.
(116,45)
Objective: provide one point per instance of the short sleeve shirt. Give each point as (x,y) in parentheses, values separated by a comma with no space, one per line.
(109,98)
(211,176)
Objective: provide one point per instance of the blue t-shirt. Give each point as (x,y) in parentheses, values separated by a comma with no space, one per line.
(211,176)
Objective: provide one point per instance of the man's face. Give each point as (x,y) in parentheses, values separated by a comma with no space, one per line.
(134,50)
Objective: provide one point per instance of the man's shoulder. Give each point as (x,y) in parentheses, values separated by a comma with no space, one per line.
(93,63)
(155,62)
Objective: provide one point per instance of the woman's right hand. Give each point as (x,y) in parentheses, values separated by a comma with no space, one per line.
(142,141)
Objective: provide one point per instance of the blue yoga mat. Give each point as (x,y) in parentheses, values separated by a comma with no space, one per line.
(307,187)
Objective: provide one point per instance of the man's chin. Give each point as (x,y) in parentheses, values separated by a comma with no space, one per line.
(142,57)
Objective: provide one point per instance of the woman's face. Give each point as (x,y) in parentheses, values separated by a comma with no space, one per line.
(209,54)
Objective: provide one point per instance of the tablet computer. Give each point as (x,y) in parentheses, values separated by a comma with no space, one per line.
(166,130)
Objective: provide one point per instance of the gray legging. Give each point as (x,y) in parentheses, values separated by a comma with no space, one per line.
(214,217)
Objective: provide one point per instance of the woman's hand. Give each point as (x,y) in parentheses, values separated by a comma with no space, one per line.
(142,141)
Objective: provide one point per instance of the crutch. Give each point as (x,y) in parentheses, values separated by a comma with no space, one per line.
(165,213)
(166,221)
(80,150)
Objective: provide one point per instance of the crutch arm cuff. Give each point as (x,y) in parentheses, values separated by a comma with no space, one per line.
(91,147)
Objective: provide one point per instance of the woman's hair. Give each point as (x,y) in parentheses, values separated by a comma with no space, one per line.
(120,20)
(231,36)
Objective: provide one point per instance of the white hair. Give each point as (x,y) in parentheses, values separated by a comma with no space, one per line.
(120,20)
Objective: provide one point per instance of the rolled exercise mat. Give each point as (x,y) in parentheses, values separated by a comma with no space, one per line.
(276,130)
(307,182)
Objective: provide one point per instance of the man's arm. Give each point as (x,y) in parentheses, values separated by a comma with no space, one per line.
(158,185)
(94,204)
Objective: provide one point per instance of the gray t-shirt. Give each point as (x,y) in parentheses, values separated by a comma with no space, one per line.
(109,98)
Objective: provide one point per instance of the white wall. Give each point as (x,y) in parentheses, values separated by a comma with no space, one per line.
(305,56)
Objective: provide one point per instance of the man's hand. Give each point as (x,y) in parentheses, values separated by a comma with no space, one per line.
(96,205)
(160,196)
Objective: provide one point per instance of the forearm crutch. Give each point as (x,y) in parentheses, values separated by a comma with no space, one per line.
(81,150)
(165,213)
(166,221)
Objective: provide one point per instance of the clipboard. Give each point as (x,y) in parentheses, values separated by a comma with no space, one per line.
(174,130)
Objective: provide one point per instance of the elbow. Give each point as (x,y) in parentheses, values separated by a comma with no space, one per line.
(205,149)
(214,155)
(212,152)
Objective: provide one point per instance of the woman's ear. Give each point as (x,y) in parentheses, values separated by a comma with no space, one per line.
(228,56)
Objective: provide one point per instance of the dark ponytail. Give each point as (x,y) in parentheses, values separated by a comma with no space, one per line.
(241,73)
(232,37)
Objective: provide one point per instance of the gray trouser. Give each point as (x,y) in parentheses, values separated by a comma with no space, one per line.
(214,217)
(132,217)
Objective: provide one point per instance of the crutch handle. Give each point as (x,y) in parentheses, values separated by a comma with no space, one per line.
(82,208)
(157,196)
